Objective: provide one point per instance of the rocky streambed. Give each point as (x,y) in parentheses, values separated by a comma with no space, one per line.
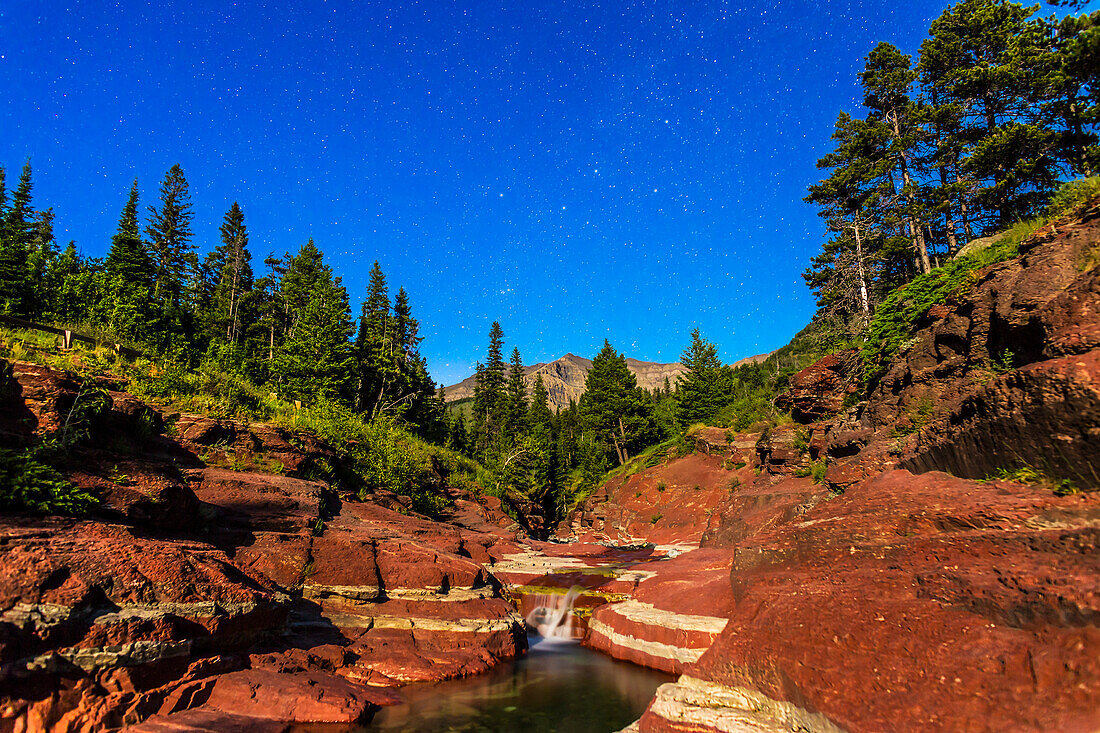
(886,595)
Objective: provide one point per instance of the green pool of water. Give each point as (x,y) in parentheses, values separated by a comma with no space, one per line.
(559,687)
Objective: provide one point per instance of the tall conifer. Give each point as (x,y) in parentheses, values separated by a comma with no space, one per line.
(169,233)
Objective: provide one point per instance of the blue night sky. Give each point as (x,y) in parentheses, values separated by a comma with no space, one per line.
(576,170)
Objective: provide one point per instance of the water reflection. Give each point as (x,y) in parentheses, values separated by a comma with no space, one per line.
(559,686)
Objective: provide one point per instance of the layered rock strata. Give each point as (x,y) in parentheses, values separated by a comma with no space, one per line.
(208,598)
(883,599)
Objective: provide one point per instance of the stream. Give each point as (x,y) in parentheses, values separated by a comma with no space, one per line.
(559,686)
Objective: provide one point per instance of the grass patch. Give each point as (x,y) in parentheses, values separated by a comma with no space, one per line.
(1035,477)
(652,456)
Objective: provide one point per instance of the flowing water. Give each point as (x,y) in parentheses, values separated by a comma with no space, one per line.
(559,687)
(551,616)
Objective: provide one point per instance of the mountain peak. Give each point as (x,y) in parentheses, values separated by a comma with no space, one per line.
(564,378)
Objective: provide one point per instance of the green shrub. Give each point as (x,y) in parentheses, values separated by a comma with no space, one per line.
(28,484)
(1071,195)
(382,454)
(1026,474)
(895,320)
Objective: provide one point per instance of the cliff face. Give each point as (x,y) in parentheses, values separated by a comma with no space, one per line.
(564,378)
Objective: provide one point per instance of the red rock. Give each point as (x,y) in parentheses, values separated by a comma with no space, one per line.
(47,395)
(915,602)
(201,720)
(819,390)
(668,503)
(784,449)
(1046,415)
(305,697)
(673,617)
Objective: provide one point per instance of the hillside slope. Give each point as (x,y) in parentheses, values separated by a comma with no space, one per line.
(851,582)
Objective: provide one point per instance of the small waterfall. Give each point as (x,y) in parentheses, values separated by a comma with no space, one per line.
(552,615)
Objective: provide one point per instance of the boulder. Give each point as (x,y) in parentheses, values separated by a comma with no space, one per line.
(819,390)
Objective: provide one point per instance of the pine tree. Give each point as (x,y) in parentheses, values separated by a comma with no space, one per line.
(406,328)
(982,56)
(128,261)
(701,390)
(15,246)
(545,472)
(315,361)
(490,382)
(169,232)
(19,219)
(69,302)
(539,415)
(515,397)
(858,203)
(887,80)
(42,258)
(268,303)
(613,408)
(952,192)
(128,270)
(230,269)
(1072,90)
(3,203)
(305,272)
(376,349)
(413,391)
(410,372)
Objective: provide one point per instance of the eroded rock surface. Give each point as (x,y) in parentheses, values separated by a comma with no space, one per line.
(204,597)
(821,576)
(876,598)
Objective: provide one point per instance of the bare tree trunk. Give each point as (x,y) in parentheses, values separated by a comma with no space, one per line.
(862,275)
(623,455)
(948,216)
(231,327)
(916,235)
(964,211)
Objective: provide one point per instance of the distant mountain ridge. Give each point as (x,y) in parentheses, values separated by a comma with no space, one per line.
(564,377)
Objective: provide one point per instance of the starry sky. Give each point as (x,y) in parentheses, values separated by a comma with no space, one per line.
(577,170)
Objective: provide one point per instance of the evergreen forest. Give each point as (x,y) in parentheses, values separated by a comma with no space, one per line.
(954,157)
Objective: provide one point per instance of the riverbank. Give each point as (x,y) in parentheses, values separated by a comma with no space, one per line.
(826,573)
